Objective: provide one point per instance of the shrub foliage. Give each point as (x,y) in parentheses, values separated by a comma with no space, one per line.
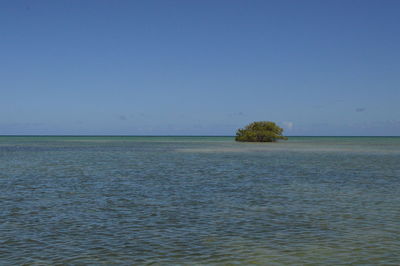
(263,131)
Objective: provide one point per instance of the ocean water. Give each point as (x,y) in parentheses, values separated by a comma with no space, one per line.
(199,200)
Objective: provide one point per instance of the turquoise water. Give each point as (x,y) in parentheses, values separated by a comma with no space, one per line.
(199,200)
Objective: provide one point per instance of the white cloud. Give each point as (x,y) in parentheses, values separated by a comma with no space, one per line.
(288,125)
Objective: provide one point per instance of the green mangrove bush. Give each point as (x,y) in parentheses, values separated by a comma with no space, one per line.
(263,131)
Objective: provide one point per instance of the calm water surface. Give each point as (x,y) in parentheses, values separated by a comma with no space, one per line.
(199,200)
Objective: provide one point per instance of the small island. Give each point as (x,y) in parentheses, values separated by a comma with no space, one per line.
(262,131)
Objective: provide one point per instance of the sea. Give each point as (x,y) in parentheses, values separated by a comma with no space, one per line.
(102,200)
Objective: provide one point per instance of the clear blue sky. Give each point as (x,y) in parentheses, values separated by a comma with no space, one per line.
(199,67)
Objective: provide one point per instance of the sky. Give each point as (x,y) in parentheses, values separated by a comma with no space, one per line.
(199,67)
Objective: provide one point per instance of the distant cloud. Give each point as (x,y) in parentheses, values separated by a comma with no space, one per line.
(136,115)
(21,128)
(122,117)
(288,124)
(23,124)
(236,114)
(130,117)
(360,109)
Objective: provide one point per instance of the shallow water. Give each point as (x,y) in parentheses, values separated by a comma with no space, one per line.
(199,200)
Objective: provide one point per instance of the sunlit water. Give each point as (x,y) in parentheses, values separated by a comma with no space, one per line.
(198,200)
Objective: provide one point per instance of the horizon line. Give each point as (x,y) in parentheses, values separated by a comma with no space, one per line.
(100,135)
